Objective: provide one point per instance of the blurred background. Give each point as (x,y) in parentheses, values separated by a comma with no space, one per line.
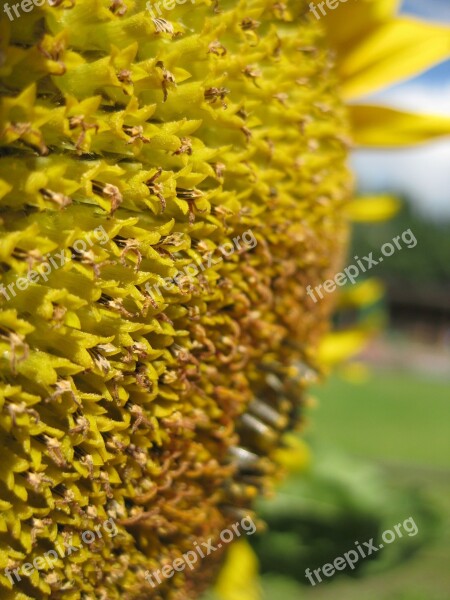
(378,430)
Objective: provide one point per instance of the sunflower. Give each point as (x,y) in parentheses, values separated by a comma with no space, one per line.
(170,184)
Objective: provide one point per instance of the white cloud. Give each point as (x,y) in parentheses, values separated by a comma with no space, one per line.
(422,174)
(417,97)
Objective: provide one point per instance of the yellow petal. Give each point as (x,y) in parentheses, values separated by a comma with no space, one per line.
(393,52)
(339,346)
(365,293)
(373,208)
(355,373)
(238,579)
(350,22)
(294,454)
(386,127)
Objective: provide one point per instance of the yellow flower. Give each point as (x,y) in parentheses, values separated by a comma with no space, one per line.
(170,184)
(238,579)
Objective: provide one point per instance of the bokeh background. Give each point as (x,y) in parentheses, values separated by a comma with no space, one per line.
(379,430)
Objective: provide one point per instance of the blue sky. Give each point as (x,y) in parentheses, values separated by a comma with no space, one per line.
(422,173)
(430,9)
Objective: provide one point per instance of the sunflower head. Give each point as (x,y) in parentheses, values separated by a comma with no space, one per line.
(170,185)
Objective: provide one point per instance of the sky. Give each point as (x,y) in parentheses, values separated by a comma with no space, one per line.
(422,173)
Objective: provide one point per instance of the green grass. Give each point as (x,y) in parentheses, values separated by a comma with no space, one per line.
(399,421)
(391,417)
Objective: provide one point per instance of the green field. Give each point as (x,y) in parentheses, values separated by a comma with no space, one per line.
(399,422)
(391,417)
